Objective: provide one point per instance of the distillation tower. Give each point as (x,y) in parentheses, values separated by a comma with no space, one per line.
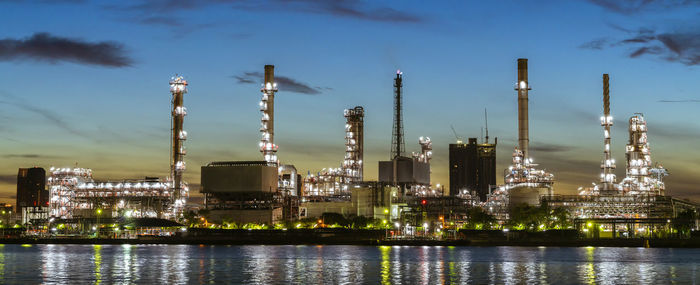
(607,177)
(354,144)
(178,88)
(268,148)
(642,177)
(336,181)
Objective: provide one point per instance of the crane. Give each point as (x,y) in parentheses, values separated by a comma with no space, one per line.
(459,139)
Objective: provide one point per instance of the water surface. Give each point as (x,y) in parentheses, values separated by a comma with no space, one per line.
(180,264)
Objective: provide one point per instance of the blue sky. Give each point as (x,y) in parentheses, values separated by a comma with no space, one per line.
(86,81)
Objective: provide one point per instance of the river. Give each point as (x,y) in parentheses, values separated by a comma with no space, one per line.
(306,264)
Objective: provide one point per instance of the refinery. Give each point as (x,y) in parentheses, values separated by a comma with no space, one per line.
(270,193)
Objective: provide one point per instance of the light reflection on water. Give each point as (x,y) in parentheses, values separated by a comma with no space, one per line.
(180,264)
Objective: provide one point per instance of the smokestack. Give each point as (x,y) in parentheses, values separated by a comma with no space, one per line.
(178,88)
(608,165)
(522,86)
(267,107)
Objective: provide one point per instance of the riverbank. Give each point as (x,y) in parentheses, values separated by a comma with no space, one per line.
(653,243)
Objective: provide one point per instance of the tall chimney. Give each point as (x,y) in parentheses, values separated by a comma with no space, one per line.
(608,166)
(178,88)
(268,148)
(522,86)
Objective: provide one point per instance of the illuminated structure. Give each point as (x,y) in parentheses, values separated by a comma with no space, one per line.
(268,148)
(73,193)
(636,206)
(354,144)
(524,183)
(523,172)
(607,177)
(411,174)
(336,181)
(178,88)
(426,150)
(641,176)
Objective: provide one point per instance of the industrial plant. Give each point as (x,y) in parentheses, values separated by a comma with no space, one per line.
(270,192)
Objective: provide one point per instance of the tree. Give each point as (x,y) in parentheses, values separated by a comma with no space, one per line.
(685,221)
(538,218)
(479,219)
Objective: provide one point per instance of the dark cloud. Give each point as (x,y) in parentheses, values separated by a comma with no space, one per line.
(9,179)
(27,155)
(46,47)
(160,20)
(539,147)
(636,6)
(356,9)
(283,83)
(682,47)
(595,44)
(45,1)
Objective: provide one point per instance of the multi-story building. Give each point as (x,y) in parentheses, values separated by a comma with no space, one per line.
(472,167)
(31,188)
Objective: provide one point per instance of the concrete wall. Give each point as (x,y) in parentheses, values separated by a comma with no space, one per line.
(267,216)
(408,170)
(239,178)
(316,209)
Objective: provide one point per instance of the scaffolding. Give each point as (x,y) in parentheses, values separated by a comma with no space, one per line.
(75,194)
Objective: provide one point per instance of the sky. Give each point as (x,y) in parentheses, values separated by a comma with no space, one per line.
(86,82)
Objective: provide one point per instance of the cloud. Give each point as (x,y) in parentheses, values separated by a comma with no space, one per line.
(355,9)
(53,49)
(160,20)
(680,101)
(681,47)
(637,6)
(550,148)
(9,179)
(595,44)
(47,114)
(27,155)
(284,83)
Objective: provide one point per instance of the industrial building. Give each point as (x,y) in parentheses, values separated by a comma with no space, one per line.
(254,191)
(524,183)
(32,196)
(369,199)
(31,188)
(637,206)
(336,182)
(472,168)
(75,196)
(411,174)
